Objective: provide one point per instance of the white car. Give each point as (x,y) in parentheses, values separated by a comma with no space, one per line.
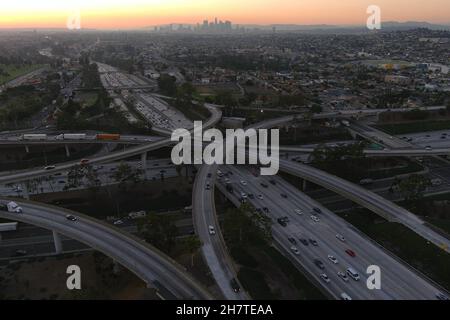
(343,276)
(333,259)
(298,211)
(260,196)
(315,219)
(295,250)
(325,278)
(243,195)
(212,231)
(345,296)
(340,237)
(243,182)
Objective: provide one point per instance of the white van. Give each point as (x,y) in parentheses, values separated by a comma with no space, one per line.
(352,273)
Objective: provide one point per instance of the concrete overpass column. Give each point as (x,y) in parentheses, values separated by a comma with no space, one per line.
(304,185)
(26,194)
(58,242)
(144,164)
(67,150)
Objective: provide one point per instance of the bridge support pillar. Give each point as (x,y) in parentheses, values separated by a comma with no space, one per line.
(67,150)
(27,150)
(304,185)
(144,164)
(57,241)
(26,194)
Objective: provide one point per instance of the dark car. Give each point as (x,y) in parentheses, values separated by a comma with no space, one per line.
(292,240)
(304,241)
(3,207)
(283,195)
(71,217)
(209,175)
(251,196)
(282,222)
(317,210)
(235,286)
(272,182)
(351,253)
(313,242)
(266,210)
(229,188)
(319,264)
(264,185)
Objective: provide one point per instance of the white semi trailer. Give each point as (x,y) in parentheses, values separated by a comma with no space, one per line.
(34,137)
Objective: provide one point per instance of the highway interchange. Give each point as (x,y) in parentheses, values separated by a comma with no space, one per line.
(400,282)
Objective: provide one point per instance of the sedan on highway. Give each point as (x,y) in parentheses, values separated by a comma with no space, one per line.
(298,211)
(260,197)
(345,296)
(235,286)
(343,276)
(340,237)
(319,264)
(295,250)
(49,167)
(333,259)
(315,219)
(325,278)
(211,230)
(292,240)
(351,253)
(283,195)
(71,217)
(304,241)
(313,242)
(243,182)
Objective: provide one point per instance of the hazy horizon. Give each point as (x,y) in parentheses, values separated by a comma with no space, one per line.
(136,14)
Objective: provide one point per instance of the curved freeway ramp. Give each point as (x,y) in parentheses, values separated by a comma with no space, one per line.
(213,246)
(152,266)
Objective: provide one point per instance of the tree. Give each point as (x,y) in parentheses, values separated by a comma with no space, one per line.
(316,108)
(159,230)
(412,188)
(125,173)
(192,244)
(347,161)
(166,84)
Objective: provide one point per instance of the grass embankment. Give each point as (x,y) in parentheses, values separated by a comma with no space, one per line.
(413,127)
(10,72)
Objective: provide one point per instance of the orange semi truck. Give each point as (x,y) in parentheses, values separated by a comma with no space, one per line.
(108,136)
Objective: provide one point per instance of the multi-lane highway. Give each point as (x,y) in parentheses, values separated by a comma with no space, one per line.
(148,263)
(283,200)
(367,199)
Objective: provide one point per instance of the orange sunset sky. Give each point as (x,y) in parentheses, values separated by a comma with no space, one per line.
(114,14)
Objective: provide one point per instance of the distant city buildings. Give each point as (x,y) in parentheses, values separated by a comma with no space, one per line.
(216,26)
